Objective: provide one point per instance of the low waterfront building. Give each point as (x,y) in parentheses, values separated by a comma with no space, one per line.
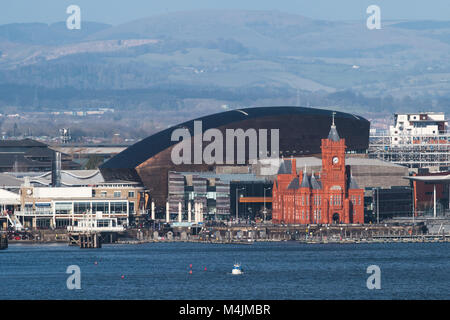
(431,191)
(37,205)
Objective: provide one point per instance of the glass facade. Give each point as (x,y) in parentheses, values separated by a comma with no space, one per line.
(63,207)
(118,207)
(100,207)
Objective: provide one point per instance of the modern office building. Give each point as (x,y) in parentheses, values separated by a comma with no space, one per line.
(217,193)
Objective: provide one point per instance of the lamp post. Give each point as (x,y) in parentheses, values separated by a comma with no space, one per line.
(378,206)
(237,203)
(265,210)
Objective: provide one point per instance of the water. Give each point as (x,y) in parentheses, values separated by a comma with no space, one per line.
(285,270)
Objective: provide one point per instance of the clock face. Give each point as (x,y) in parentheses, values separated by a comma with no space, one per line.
(335,160)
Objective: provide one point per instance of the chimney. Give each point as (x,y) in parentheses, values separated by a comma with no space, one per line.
(294,166)
(56,169)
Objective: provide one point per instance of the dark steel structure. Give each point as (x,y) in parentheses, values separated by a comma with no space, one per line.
(300,133)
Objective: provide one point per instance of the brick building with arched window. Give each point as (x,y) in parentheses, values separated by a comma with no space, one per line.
(329,196)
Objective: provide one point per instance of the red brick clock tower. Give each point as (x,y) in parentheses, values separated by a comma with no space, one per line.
(329,198)
(333,175)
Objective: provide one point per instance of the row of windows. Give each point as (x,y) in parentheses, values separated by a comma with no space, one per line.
(117,194)
(105,207)
(335,200)
(304,214)
(355,200)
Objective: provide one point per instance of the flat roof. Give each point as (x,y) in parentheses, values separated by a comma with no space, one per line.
(431,179)
(226,177)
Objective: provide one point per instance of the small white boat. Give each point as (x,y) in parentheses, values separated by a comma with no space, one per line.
(237,269)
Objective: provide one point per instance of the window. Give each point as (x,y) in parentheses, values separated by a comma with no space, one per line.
(103,194)
(100,207)
(117,194)
(63,207)
(28,207)
(118,207)
(103,223)
(131,207)
(130,194)
(81,207)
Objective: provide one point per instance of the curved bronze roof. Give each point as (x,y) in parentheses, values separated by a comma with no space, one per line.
(353,128)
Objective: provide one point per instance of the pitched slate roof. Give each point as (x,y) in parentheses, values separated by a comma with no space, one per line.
(314,183)
(333,134)
(305,181)
(294,184)
(352,184)
(285,167)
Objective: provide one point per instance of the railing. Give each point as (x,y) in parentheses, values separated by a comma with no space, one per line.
(33,213)
(68,215)
(118,228)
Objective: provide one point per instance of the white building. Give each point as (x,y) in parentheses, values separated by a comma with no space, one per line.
(36,205)
(412,127)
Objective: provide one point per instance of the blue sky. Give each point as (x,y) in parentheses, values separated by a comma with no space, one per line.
(120,11)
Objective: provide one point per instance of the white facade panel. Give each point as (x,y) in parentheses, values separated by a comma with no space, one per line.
(55,193)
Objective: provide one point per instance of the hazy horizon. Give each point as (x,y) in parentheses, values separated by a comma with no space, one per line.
(116,12)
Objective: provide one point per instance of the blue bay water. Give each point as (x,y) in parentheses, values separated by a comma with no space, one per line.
(286,270)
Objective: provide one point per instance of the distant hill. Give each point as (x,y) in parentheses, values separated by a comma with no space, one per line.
(44,34)
(423,25)
(231,51)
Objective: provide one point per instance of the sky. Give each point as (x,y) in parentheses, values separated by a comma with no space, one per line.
(120,11)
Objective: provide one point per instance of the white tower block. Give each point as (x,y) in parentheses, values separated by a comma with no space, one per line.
(179,211)
(195,212)
(167,212)
(153,210)
(189,211)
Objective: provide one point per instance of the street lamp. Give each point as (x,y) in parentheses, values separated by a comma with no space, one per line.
(265,210)
(237,203)
(378,206)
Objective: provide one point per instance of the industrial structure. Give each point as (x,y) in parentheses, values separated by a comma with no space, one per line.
(416,140)
(28,155)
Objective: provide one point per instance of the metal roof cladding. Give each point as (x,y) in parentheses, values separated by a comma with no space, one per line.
(152,145)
